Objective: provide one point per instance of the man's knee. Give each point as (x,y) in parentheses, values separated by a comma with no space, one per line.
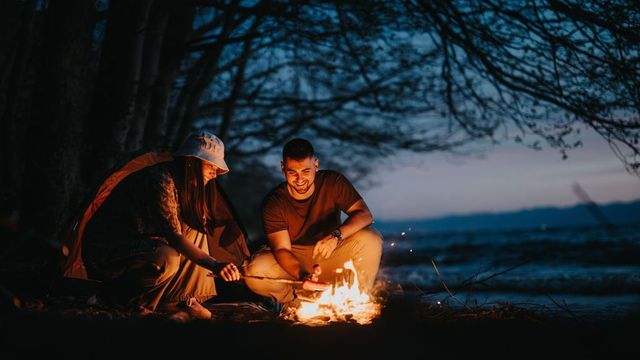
(258,266)
(260,263)
(369,239)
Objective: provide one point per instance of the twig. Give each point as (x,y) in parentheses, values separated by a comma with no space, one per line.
(445,285)
(422,293)
(564,307)
(468,282)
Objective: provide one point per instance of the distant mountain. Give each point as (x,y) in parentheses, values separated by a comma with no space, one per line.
(547,217)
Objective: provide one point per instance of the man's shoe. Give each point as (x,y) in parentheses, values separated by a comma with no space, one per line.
(196,310)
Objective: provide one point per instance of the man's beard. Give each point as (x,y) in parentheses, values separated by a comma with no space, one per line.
(302,189)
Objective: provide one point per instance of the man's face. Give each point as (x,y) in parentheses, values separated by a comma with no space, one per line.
(300,174)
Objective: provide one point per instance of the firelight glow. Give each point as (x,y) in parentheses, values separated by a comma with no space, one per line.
(343,302)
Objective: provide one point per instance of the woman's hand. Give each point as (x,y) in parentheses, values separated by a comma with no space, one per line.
(229,272)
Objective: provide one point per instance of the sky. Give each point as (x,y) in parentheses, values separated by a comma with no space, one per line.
(507,177)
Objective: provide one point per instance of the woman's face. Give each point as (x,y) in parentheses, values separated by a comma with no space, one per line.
(209,171)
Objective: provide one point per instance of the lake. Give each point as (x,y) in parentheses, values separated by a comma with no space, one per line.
(589,271)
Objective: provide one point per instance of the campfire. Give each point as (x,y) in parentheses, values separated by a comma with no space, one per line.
(343,302)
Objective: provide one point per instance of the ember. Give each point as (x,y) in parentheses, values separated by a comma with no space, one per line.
(343,302)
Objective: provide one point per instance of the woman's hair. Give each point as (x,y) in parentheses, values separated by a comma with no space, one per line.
(196,199)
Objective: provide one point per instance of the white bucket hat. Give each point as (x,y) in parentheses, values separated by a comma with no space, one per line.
(205,146)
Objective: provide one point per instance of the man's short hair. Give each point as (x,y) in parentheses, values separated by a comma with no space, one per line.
(297,149)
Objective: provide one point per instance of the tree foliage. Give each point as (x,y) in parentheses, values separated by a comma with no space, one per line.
(85,83)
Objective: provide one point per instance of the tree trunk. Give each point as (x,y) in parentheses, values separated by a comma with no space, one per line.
(51,180)
(173,50)
(155,32)
(116,86)
(16,90)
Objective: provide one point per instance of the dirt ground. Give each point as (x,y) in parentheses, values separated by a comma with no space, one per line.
(81,326)
(41,318)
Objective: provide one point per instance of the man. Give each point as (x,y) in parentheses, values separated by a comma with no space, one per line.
(301,218)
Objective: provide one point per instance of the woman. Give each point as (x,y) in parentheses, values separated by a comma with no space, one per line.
(148,243)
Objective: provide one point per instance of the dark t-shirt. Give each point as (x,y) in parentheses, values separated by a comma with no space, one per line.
(311,219)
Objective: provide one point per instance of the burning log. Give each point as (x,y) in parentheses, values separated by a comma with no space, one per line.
(344,303)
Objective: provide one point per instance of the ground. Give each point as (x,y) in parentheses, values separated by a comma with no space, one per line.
(80,325)
(43,317)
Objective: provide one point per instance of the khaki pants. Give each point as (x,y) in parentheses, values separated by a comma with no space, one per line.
(363,247)
(160,276)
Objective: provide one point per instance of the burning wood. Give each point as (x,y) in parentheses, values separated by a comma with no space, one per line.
(343,302)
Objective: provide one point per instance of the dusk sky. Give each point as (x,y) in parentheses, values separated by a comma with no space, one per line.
(507,177)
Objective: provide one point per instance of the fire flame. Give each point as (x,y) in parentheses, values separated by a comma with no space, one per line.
(342,302)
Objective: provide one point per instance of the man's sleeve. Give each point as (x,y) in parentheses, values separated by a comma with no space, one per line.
(346,194)
(273,218)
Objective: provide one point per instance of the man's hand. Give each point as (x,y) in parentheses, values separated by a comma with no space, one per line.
(229,272)
(312,283)
(325,246)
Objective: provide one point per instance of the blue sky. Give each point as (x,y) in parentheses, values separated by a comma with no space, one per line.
(506,177)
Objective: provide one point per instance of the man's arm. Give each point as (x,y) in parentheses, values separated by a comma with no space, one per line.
(281,247)
(358,217)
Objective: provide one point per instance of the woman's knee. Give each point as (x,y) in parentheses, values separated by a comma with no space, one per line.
(167,262)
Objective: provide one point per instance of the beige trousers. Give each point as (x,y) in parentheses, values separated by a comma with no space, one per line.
(363,247)
(163,276)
